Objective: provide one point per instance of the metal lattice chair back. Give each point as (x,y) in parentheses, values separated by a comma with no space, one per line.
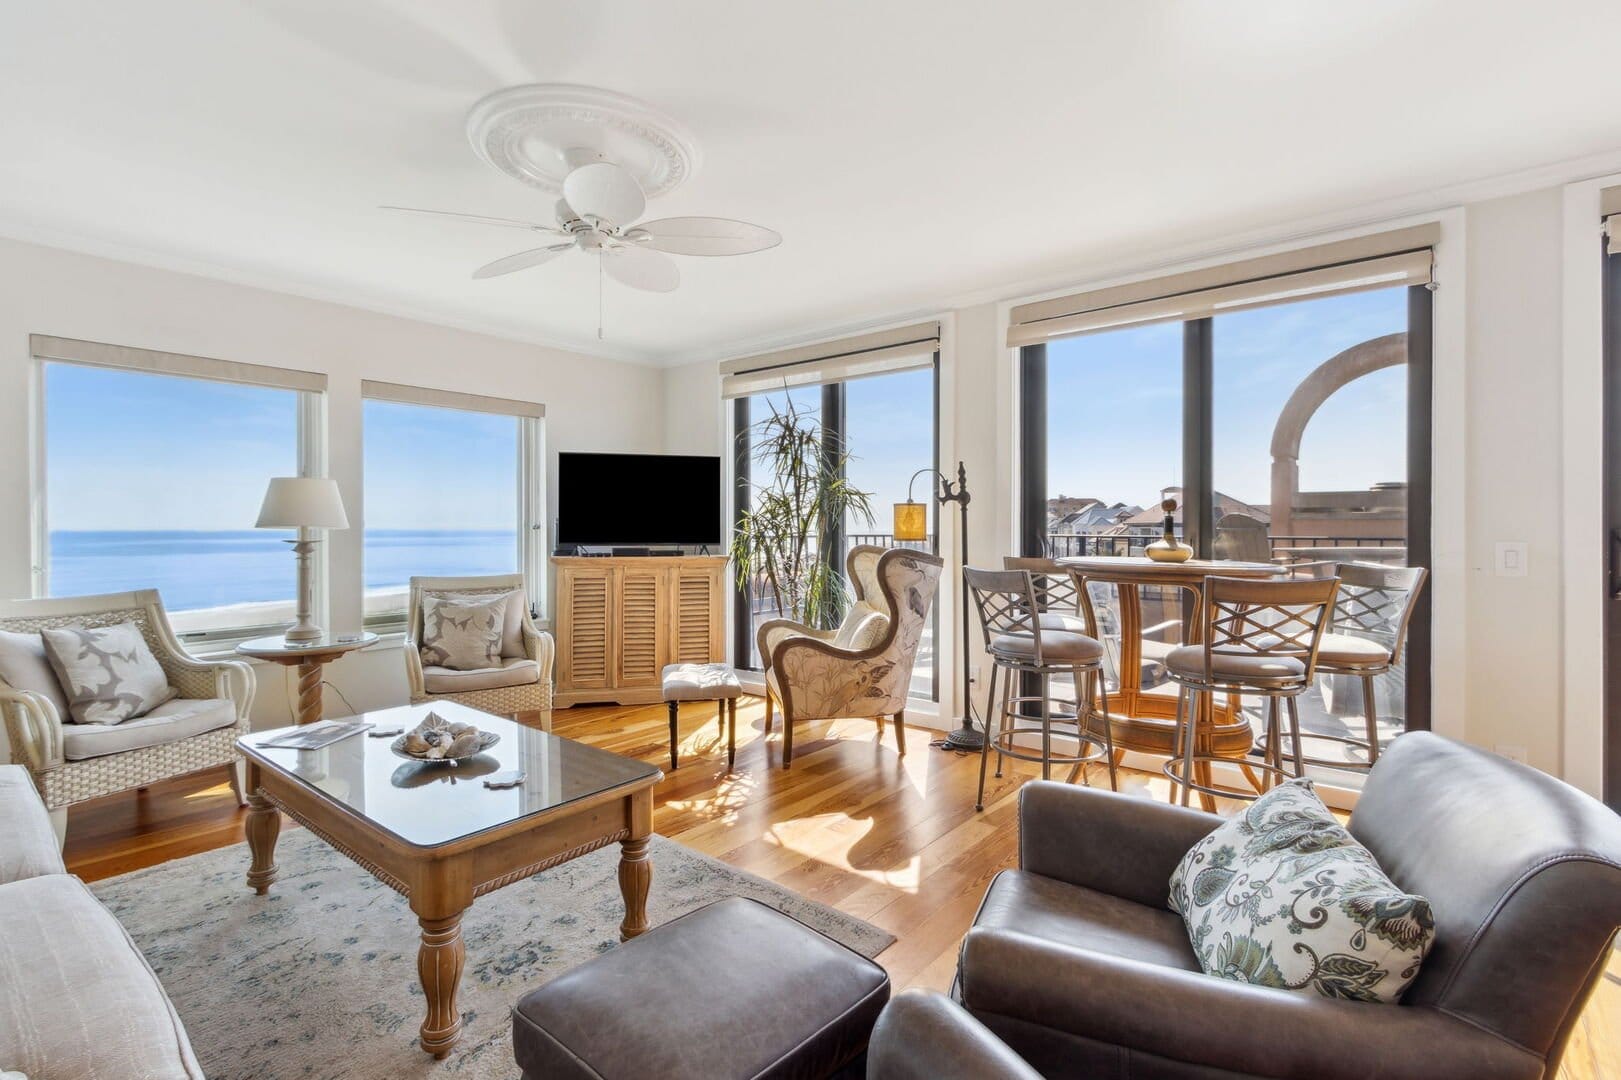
(1055,588)
(1247,617)
(1376,601)
(1007,604)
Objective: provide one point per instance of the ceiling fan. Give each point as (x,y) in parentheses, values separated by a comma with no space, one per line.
(600,203)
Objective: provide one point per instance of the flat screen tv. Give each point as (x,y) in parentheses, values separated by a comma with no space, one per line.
(638,499)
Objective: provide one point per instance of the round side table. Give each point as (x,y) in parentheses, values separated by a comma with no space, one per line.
(309,657)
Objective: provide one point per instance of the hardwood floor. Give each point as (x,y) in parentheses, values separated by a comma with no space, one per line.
(892,840)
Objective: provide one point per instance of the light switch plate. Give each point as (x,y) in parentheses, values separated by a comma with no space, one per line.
(1512,558)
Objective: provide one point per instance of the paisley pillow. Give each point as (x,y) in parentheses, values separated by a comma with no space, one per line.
(107,672)
(1283,896)
(462,633)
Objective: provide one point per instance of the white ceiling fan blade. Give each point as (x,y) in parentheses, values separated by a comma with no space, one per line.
(604,191)
(642,269)
(704,236)
(478,219)
(523,260)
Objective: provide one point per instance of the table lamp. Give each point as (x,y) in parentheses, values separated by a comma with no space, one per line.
(305,503)
(911,523)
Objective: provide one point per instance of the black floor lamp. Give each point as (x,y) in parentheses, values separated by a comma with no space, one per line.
(911,523)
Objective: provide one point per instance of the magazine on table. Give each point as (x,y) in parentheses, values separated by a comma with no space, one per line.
(315,736)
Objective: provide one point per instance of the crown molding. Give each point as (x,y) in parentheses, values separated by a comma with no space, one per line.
(358,299)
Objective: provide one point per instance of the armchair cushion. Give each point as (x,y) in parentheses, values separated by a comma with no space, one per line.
(108,672)
(77,999)
(512,619)
(30,848)
(170,722)
(462,634)
(1082,918)
(444,680)
(1282,896)
(862,628)
(23,666)
(1155,1020)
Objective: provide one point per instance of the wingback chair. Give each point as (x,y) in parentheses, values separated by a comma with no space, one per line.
(521,683)
(864,668)
(1076,961)
(72,762)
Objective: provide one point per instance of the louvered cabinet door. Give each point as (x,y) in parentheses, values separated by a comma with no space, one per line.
(585,630)
(639,651)
(698,613)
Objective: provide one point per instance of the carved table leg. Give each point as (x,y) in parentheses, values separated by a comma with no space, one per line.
(439,966)
(263,826)
(309,692)
(635,877)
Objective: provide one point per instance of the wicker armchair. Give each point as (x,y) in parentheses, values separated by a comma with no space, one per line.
(37,731)
(865,667)
(523,682)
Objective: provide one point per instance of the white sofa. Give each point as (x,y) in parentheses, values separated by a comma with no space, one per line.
(77,998)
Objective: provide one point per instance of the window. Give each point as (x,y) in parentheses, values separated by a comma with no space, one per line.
(465,509)
(875,397)
(150,480)
(1289,429)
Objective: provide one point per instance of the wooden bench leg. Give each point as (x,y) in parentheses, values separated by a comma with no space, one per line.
(675,711)
(730,706)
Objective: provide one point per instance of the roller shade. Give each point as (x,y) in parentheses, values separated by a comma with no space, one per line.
(1381,261)
(449,399)
(903,348)
(166,363)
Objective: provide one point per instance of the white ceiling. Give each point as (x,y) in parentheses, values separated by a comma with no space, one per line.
(909,151)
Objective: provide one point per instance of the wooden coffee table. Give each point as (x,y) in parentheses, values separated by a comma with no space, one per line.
(442,845)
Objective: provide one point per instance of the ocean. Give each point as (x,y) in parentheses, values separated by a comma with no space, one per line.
(195,570)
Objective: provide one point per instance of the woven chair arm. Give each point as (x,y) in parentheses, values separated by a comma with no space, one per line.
(34,729)
(233,679)
(539,646)
(413,667)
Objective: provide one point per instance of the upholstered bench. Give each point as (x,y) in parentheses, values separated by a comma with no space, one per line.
(703,682)
(732,990)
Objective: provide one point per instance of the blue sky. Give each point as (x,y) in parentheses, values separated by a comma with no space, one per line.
(127,450)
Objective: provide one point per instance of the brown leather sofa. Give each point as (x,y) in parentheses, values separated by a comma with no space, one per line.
(1078,965)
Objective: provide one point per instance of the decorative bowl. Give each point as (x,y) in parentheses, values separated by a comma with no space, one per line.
(437,740)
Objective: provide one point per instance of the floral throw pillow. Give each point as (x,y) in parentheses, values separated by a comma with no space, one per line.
(461,633)
(107,672)
(1283,896)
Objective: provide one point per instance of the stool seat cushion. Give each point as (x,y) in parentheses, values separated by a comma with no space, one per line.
(700,682)
(1345,650)
(734,989)
(1188,661)
(1055,645)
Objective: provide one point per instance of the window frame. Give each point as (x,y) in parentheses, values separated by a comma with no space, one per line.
(1198,460)
(531,480)
(832,412)
(310,436)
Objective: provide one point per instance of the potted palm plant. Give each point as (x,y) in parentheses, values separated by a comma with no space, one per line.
(784,535)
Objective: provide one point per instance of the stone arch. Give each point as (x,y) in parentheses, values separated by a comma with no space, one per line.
(1337,371)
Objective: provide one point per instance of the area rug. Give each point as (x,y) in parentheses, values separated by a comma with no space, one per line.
(318,978)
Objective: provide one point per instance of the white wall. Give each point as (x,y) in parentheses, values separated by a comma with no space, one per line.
(591,404)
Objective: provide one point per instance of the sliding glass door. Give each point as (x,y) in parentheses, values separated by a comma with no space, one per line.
(1295,433)
(883,425)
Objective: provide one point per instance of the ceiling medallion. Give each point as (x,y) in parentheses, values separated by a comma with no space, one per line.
(539,133)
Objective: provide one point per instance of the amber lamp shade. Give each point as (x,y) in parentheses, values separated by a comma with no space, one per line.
(911,521)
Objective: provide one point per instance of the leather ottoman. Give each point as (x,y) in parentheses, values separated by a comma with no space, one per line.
(732,990)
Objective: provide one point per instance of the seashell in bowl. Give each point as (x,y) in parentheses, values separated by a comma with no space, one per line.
(436,741)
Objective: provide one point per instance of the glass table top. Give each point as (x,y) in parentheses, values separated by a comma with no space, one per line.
(431,804)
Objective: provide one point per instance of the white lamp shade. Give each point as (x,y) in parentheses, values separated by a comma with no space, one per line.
(293,502)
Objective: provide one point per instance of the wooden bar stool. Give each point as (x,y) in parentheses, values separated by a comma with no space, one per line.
(1260,639)
(1010,618)
(1368,635)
